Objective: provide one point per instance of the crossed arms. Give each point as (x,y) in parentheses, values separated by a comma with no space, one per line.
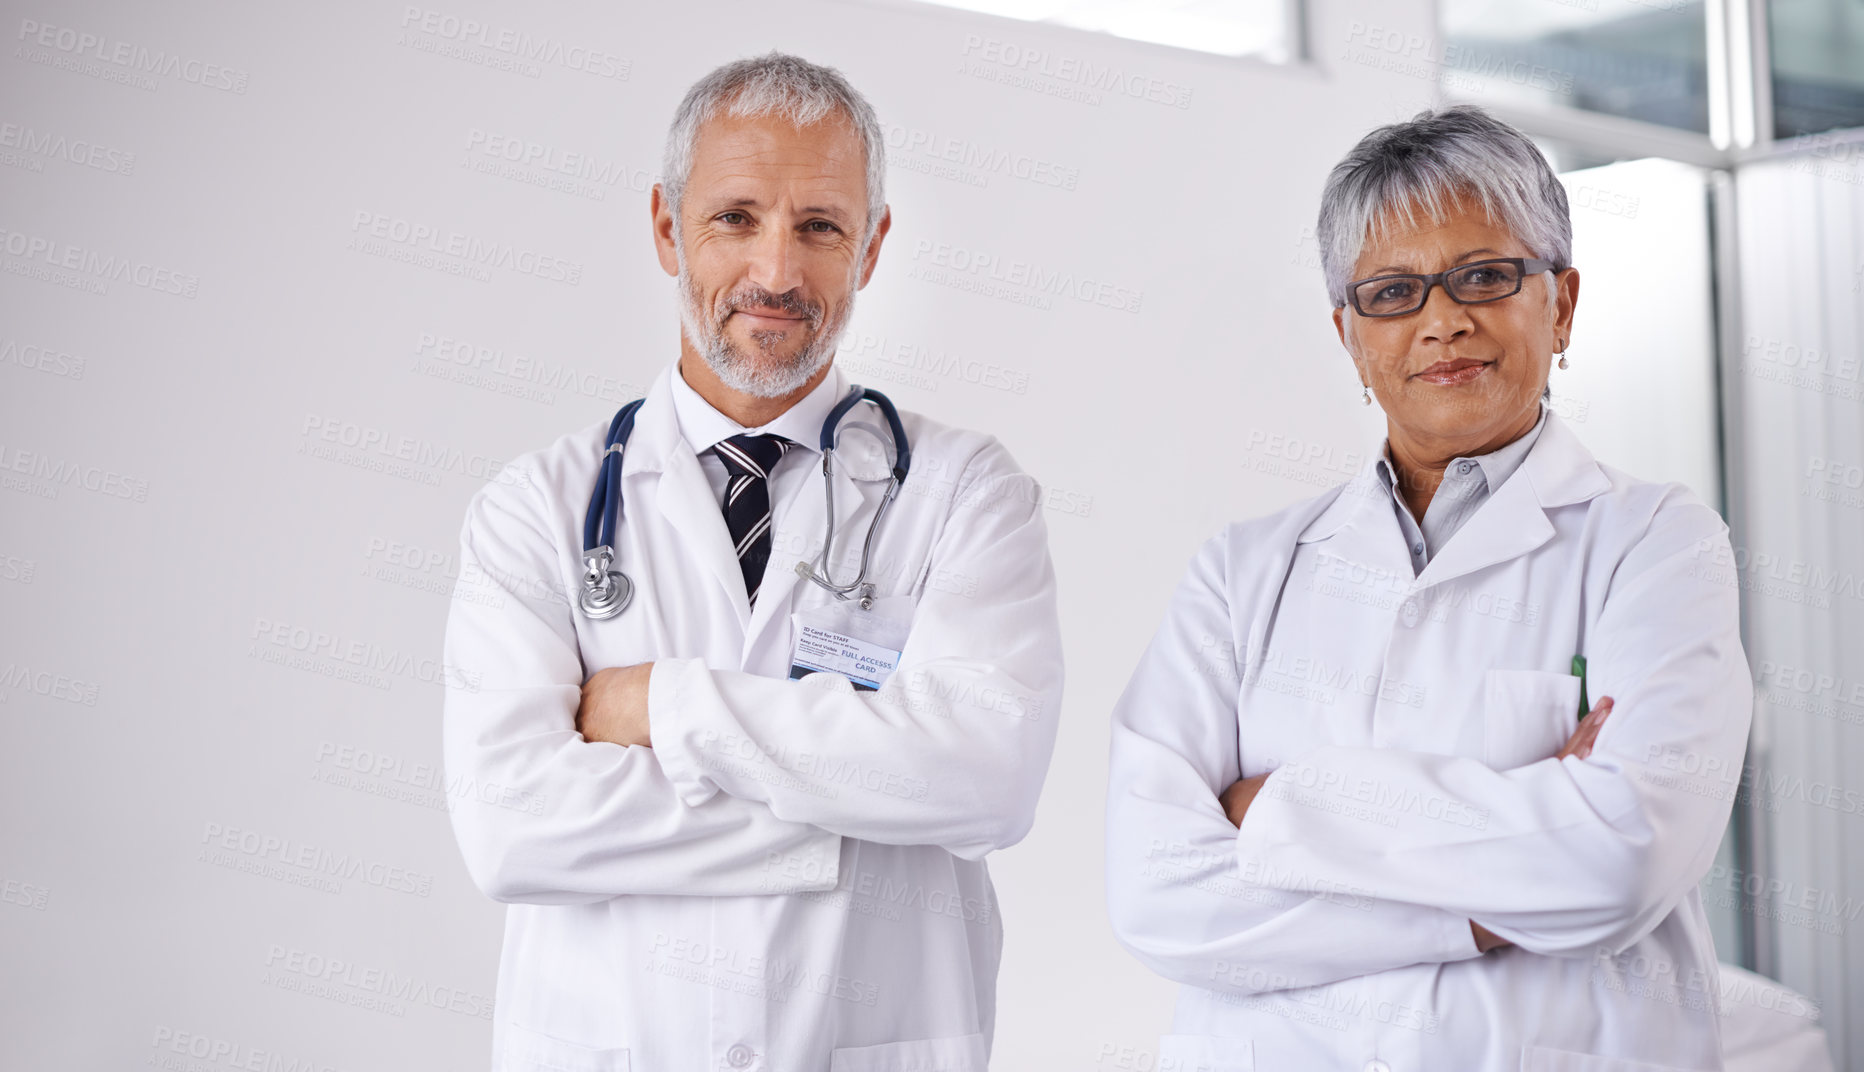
(1575,853)
(751,781)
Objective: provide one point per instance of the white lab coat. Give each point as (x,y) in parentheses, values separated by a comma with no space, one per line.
(792,876)
(1767,1027)
(1411,723)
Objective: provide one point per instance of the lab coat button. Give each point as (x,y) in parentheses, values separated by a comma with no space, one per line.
(1409,615)
(1378,1066)
(739,1055)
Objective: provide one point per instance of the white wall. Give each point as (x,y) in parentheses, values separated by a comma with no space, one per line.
(1797,386)
(1640,386)
(169,497)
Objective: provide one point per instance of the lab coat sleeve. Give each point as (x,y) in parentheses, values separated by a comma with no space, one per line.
(1179,896)
(952,750)
(543,816)
(1565,857)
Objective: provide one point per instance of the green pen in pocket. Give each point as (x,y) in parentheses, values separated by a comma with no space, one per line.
(1579,671)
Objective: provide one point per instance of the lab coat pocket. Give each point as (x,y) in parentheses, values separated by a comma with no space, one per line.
(1206,1053)
(1542,1059)
(957,1053)
(1527,716)
(533,1051)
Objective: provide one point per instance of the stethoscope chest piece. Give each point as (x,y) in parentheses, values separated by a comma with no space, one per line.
(605,592)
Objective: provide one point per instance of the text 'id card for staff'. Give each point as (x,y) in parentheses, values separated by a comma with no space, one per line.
(862,646)
(866,665)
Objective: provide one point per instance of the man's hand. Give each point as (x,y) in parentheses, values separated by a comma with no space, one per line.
(614,705)
(1236,798)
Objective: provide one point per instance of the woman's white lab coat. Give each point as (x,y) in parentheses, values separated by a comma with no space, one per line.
(792,876)
(1411,723)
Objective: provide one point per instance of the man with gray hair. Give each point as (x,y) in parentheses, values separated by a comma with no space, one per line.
(747,742)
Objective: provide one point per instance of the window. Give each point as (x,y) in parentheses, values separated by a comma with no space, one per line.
(1745,73)
(1637,59)
(1817,48)
(1264,29)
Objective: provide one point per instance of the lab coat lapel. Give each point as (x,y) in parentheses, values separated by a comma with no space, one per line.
(685,500)
(682,495)
(1360,527)
(1558,471)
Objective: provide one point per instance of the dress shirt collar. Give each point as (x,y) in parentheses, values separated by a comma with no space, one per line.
(1497,465)
(703,426)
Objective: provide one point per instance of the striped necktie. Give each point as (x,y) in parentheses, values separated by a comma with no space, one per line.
(749,460)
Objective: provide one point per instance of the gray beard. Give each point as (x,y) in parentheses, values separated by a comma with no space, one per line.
(761,375)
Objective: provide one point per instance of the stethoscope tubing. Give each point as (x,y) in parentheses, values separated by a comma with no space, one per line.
(605,500)
(601,519)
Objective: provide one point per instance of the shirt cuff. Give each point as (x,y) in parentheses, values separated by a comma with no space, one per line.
(1460,943)
(821,857)
(668,690)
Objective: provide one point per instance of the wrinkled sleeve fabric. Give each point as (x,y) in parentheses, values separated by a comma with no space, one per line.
(1570,856)
(552,818)
(953,748)
(1180,896)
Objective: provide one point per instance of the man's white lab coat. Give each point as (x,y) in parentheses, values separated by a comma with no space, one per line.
(792,876)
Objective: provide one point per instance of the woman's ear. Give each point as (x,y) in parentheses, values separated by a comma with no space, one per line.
(1565,300)
(1339,327)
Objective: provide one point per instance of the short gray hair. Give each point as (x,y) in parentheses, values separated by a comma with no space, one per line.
(1422,164)
(775,83)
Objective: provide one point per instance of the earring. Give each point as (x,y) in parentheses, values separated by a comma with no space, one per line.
(1365,394)
(1563,353)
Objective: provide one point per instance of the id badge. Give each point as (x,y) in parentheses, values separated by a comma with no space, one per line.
(861,645)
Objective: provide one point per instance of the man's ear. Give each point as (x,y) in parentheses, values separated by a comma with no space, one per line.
(873,246)
(664,222)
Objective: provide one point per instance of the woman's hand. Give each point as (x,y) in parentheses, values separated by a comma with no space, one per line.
(1236,798)
(1486,939)
(1579,745)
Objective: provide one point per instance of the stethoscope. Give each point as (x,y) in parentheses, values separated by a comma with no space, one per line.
(606,592)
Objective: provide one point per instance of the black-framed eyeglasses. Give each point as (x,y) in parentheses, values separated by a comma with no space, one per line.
(1469,284)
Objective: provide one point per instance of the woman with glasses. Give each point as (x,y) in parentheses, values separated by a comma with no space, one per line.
(1420,775)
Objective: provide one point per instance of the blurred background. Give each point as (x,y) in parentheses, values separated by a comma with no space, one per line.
(282,285)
